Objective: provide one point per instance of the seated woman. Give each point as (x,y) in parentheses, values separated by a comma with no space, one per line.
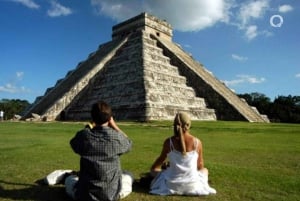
(186,174)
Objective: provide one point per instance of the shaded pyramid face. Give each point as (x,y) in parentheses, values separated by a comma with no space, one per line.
(144,76)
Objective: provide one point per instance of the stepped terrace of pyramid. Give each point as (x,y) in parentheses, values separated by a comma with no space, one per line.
(144,76)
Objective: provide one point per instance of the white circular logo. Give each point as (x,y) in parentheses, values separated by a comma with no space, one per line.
(277,24)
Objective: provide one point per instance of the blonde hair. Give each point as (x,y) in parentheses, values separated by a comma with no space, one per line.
(182,123)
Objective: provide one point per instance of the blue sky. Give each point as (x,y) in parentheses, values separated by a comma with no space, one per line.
(252,46)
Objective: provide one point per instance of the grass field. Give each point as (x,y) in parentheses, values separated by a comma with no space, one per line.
(247,161)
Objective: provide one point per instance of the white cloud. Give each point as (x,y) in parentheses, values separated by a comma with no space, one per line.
(238,57)
(285,8)
(8,88)
(248,13)
(192,15)
(251,32)
(252,10)
(57,10)
(28,3)
(118,10)
(12,86)
(244,79)
(19,75)
(297,75)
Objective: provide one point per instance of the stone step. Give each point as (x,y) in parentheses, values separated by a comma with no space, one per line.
(172,90)
(152,49)
(160,67)
(154,76)
(165,99)
(157,112)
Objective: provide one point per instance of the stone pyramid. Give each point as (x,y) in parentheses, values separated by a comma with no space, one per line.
(144,76)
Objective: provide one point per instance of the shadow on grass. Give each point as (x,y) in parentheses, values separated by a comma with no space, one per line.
(41,192)
(37,192)
(142,185)
(138,188)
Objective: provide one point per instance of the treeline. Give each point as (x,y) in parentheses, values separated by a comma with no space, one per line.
(284,109)
(12,107)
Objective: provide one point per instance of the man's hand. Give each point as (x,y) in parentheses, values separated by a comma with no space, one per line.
(112,124)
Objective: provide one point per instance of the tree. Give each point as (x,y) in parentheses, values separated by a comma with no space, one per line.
(258,100)
(13,107)
(286,108)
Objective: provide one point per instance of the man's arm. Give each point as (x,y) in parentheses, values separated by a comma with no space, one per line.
(77,143)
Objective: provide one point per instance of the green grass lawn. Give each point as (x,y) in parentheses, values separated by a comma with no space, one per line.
(247,161)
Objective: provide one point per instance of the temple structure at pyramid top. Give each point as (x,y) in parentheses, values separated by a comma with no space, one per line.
(145,22)
(144,76)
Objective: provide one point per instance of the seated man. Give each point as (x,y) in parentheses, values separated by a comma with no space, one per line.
(100,176)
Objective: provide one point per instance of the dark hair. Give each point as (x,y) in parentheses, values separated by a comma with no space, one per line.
(101,112)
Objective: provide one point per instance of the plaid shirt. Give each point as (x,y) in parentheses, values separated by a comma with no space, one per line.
(100,168)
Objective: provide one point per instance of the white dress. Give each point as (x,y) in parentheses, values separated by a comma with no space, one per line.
(182,177)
